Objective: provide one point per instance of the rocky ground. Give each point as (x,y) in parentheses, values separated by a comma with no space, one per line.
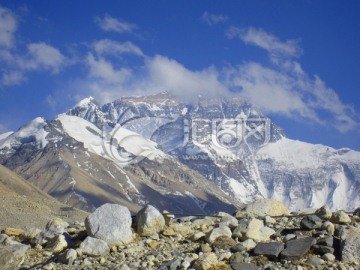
(264,235)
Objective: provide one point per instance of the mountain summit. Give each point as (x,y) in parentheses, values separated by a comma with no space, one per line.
(201,157)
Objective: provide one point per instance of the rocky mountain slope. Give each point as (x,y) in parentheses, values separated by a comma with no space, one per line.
(201,157)
(256,237)
(23,205)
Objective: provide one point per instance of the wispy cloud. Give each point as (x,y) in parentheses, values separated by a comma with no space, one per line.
(111,24)
(15,64)
(264,40)
(212,19)
(283,87)
(110,47)
(44,56)
(8,26)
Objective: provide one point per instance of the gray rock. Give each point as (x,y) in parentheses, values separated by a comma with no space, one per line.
(68,257)
(46,235)
(327,241)
(244,266)
(319,249)
(12,256)
(356,212)
(223,242)
(217,232)
(206,261)
(324,212)
(94,247)
(340,217)
(296,248)
(57,244)
(267,207)
(258,232)
(149,221)
(350,245)
(311,222)
(314,261)
(329,257)
(56,222)
(228,219)
(329,227)
(111,223)
(236,259)
(270,250)
(248,244)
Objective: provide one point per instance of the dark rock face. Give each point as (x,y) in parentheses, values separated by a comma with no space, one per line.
(311,222)
(270,250)
(296,248)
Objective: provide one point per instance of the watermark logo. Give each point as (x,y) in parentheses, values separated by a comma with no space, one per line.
(132,141)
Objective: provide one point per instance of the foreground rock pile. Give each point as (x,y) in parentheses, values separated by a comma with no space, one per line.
(264,235)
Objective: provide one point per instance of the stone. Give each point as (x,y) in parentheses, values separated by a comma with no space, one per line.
(196,236)
(270,250)
(206,261)
(68,257)
(94,247)
(319,249)
(296,248)
(340,217)
(244,266)
(350,245)
(328,257)
(30,233)
(56,222)
(228,219)
(327,241)
(217,232)
(149,221)
(329,227)
(314,261)
(356,212)
(44,236)
(12,256)
(258,232)
(267,207)
(223,242)
(289,237)
(57,244)
(311,222)
(269,220)
(110,223)
(248,244)
(205,248)
(324,212)
(12,231)
(236,258)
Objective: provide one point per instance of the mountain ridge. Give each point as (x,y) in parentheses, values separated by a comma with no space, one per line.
(260,161)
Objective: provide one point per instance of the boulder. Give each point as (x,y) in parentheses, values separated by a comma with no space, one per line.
(149,221)
(340,217)
(228,219)
(296,248)
(57,244)
(270,250)
(217,232)
(94,247)
(311,222)
(258,232)
(267,207)
(110,223)
(68,257)
(56,222)
(224,242)
(350,245)
(12,253)
(324,212)
(206,261)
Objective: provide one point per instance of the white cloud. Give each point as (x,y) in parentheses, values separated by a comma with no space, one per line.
(111,24)
(12,78)
(8,26)
(110,47)
(44,56)
(264,40)
(167,74)
(212,19)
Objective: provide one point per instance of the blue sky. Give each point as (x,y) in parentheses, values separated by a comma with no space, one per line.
(297,61)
